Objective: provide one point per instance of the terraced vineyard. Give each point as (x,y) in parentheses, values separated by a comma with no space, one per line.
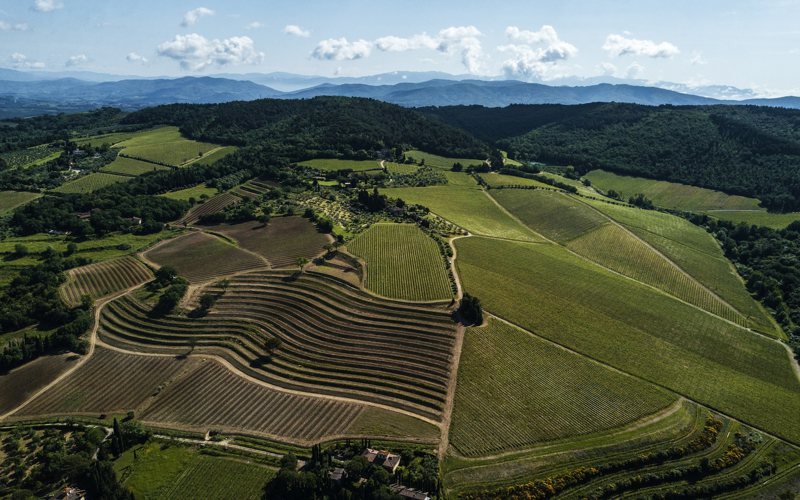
(212,206)
(665,341)
(336,340)
(282,241)
(91,182)
(90,391)
(200,257)
(515,390)
(402,263)
(251,189)
(103,279)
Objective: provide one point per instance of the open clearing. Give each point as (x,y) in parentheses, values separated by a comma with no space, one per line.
(9,200)
(515,390)
(402,262)
(200,257)
(103,279)
(128,166)
(441,162)
(90,183)
(282,241)
(17,385)
(635,329)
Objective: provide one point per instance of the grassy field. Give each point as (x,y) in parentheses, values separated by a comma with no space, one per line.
(9,200)
(463,203)
(401,168)
(515,390)
(402,262)
(441,162)
(103,279)
(91,182)
(193,192)
(199,257)
(331,165)
(165,145)
(282,241)
(105,248)
(635,329)
(129,166)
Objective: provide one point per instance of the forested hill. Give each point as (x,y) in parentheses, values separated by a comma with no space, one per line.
(745,150)
(319,127)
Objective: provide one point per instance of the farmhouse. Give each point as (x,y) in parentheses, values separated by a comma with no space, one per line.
(337,475)
(389,461)
(409,493)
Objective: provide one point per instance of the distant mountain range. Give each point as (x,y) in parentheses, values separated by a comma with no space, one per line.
(31,93)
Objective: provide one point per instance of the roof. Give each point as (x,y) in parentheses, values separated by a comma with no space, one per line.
(409,493)
(382,457)
(337,474)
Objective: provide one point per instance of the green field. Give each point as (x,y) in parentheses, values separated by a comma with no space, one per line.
(91,182)
(164,470)
(402,262)
(165,145)
(401,168)
(495,180)
(759,217)
(329,164)
(9,200)
(111,139)
(129,166)
(465,204)
(515,390)
(108,247)
(441,162)
(634,329)
(30,157)
(215,155)
(193,192)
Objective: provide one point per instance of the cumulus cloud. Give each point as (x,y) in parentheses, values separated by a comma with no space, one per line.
(697,59)
(620,45)
(293,29)
(535,53)
(18,60)
(47,5)
(461,40)
(6,26)
(195,52)
(136,58)
(634,71)
(340,49)
(254,25)
(194,15)
(77,60)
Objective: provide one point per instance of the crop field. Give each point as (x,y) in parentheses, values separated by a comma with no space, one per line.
(402,262)
(331,165)
(516,390)
(109,382)
(165,145)
(335,339)
(670,194)
(193,192)
(9,200)
(466,206)
(91,182)
(696,252)
(211,206)
(199,257)
(30,157)
(128,166)
(20,383)
(103,279)
(635,329)
(441,162)
(281,242)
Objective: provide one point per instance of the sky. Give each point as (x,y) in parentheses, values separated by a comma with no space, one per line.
(746,43)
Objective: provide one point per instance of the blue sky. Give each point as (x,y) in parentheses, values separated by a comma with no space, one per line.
(752,43)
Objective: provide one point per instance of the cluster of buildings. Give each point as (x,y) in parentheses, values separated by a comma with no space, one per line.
(388,461)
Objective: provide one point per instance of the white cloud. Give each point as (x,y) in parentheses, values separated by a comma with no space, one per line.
(462,40)
(634,71)
(620,45)
(697,59)
(196,52)
(136,58)
(76,60)
(339,49)
(293,29)
(194,15)
(254,25)
(18,60)
(47,5)
(400,44)
(536,54)
(6,26)
(608,69)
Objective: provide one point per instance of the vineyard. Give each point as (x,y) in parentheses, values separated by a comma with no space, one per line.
(164,145)
(30,157)
(251,189)
(634,329)
(128,166)
(20,383)
(9,200)
(335,339)
(501,180)
(441,162)
(91,182)
(214,156)
(195,192)
(331,165)
(200,257)
(214,478)
(282,241)
(402,263)
(516,390)
(103,279)
(211,206)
